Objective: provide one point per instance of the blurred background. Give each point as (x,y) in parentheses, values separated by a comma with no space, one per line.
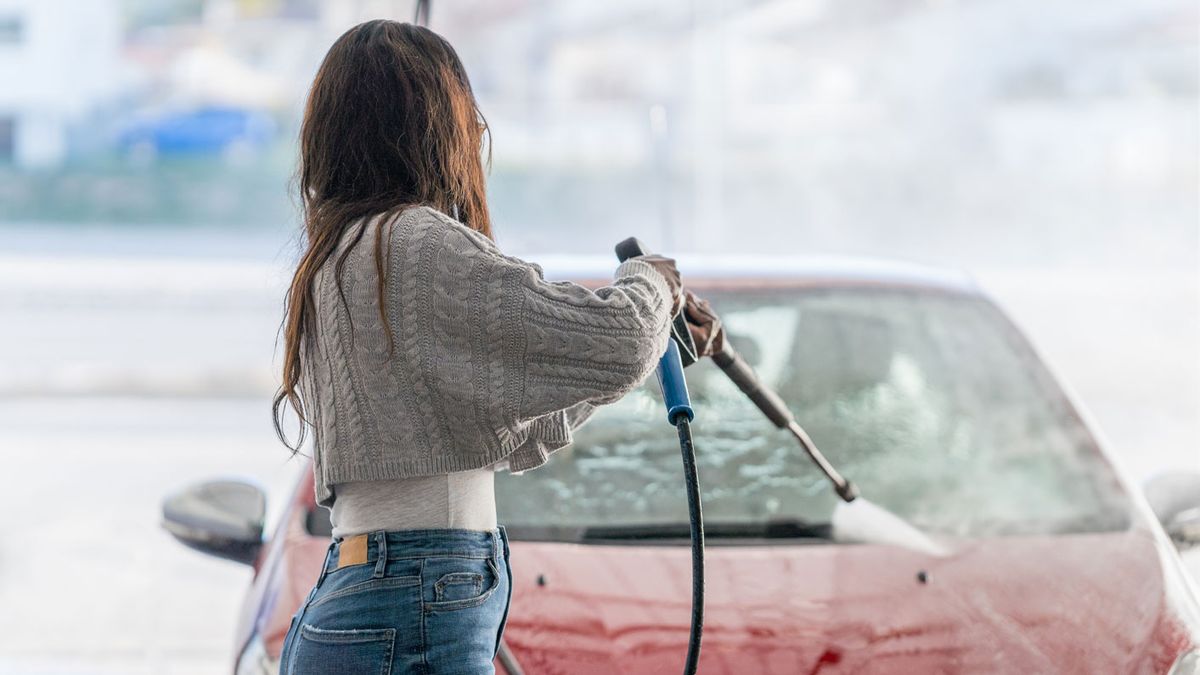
(148,224)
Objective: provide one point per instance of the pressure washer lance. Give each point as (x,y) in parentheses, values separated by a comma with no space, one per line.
(732,363)
(681,348)
(855,518)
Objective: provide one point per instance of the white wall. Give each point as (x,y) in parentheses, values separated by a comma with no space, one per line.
(65,62)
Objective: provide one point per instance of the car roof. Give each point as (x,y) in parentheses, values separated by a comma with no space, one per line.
(742,271)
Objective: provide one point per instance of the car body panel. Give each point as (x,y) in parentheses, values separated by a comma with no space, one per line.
(1083,603)
(1079,603)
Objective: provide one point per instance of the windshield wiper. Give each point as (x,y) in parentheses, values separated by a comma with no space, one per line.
(772,529)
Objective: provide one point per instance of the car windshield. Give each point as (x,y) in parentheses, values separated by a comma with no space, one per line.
(931,402)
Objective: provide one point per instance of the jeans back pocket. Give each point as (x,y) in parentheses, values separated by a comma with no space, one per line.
(458,586)
(343,651)
(460,583)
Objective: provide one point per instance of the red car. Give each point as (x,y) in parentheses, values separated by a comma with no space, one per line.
(922,392)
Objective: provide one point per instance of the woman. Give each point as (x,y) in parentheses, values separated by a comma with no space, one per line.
(424,360)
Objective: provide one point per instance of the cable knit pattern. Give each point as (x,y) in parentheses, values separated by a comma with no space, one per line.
(489,362)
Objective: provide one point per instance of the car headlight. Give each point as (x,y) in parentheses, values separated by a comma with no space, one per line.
(255,661)
(1188,663)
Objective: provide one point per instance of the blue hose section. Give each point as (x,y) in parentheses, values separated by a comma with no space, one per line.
(673,384)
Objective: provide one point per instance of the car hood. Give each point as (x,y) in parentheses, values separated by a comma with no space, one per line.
(1083,603)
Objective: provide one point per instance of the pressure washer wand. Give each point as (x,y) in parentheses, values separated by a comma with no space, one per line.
(680,414)
(855,518)
(774,408)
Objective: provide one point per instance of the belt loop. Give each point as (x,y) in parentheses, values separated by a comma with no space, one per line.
(381,563)
(497,546)
(321,577)
(330,556)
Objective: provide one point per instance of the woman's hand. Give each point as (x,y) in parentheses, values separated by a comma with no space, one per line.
(704,325)
(666,267)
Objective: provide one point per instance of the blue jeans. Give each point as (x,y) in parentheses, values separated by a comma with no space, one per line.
(425,601)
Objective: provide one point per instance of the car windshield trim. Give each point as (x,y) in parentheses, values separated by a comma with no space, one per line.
(661,532)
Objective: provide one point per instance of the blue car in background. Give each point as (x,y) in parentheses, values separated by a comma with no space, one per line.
(212,130)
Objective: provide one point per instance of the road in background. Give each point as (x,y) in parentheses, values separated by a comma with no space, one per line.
(99,587)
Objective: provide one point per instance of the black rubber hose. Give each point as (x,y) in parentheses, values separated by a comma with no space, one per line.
(421,14)
(630,248)
(696,520)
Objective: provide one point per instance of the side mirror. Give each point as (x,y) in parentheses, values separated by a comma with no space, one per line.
(1175,498)
(223,518)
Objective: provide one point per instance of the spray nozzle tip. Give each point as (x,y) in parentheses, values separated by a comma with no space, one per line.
(847,491)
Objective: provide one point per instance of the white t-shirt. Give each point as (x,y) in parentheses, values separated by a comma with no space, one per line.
(463,500)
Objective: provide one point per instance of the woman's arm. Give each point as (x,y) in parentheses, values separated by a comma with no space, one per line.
(527,347)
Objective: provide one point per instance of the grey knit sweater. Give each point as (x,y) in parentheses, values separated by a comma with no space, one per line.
(486,362)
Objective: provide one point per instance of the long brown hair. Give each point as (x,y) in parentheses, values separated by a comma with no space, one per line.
(391,122)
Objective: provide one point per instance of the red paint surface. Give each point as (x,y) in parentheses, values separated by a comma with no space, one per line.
(1092,603)
(1083,604)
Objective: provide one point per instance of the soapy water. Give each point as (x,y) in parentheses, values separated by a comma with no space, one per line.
(928,402)
(864,522)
